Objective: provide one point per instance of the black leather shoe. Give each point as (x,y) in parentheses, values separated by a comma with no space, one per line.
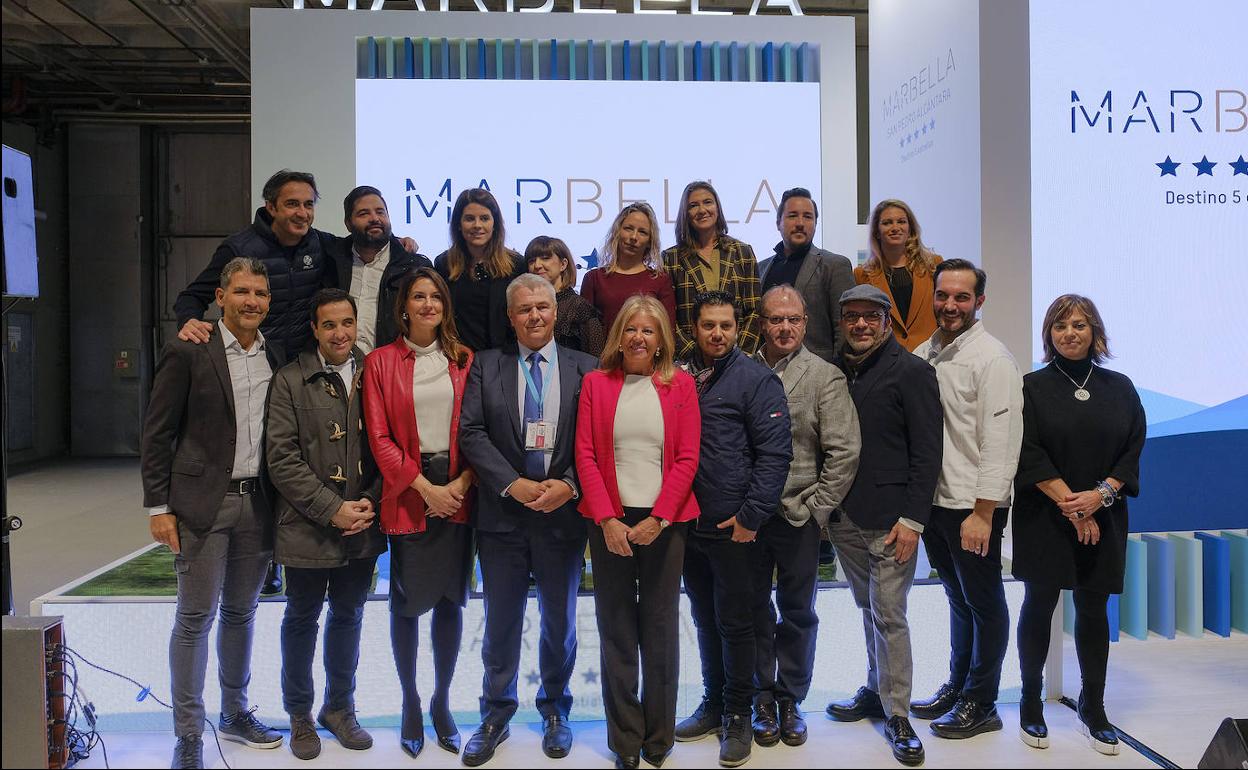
(792,724)
(480,747)
(865,703)
(967,718)
(1031,727)
(704,721)
(627,761)
(444,726)
(412,746)
(188,753)
(655,759)
(1096,728)
(272,580)
(937,705)
(907,748)
(556,737)
(766,724)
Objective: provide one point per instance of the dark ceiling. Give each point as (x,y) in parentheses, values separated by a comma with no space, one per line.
(162,61)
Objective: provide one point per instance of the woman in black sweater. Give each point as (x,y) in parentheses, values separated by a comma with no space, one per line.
(1083,430)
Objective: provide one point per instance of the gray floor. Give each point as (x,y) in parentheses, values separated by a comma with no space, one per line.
(1170,694)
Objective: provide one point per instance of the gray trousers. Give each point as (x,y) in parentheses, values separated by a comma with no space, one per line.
(224,567)
(880,587)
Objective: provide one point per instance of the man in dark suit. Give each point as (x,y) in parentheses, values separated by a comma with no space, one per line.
(202,467)
(819,275)
(369,263)
(899,411)
(517,430)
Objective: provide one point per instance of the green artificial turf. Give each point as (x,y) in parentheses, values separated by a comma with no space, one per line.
(150,574)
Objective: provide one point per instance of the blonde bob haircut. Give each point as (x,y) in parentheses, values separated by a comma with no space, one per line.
(1064,307)
(641,304)
(919,259)
(612,246)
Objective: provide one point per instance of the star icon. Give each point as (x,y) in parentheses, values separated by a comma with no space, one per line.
(590,259)
(591,676)
(1167,166)
(1205,166)
(533,677)
(1240,166)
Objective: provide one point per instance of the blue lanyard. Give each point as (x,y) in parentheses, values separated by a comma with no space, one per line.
(538,395)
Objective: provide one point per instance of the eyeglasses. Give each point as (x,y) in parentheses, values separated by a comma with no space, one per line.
(871,317)
(793,320)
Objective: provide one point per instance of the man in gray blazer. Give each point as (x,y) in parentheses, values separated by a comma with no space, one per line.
(203,487)
(820,276)
(825,456)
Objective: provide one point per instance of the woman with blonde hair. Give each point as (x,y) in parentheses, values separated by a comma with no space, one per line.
(637,440)
(577,325)
(630,265)
(477,268)
(413,390)
(902,267)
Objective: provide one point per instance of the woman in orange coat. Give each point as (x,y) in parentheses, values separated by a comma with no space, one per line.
(413,389)
(901,266)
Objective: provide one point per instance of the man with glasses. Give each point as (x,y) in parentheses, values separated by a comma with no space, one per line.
(899,413)
(825,456)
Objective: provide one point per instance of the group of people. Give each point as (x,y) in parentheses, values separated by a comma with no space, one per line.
(692,416)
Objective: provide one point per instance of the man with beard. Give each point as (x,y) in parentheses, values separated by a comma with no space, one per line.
(369,263)
(898,403)
(981,391)
(820,276)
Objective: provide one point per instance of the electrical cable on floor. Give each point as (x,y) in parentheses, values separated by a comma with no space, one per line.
(1143,749)
(86,741)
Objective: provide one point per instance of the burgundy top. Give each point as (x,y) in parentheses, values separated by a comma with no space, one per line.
(608,292)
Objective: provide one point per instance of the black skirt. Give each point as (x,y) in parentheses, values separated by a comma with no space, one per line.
(426,567)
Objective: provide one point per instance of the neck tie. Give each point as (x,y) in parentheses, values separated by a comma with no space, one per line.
(534,460)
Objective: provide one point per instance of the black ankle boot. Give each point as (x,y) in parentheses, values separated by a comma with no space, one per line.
(1093,722)
(1031,727)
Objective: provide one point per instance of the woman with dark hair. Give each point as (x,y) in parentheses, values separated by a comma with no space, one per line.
(705,258)
(902,267)
(1083,430)
(477,268)
(630,265)
(637,439)
(413,389)
(577,324)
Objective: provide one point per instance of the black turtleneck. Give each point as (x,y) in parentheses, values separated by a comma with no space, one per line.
(784,268)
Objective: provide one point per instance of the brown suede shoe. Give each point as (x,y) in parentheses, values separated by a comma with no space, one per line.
(346,728)
(304,742)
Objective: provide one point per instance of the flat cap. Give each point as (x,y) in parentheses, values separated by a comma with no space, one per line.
(865,292)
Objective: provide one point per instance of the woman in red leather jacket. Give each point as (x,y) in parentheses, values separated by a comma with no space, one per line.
(413,389)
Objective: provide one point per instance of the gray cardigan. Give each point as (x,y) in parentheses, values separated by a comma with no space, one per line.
(826,440)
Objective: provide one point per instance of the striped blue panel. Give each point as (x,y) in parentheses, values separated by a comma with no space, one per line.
(463,59)
(1216,582)
(572,54)
(626,59)
(663,54)
(645,60)
(426,58)
(769,63)
(480,58)
(554,60)
(498,59)
(680,60)
(716,73)
(1189,615)
(409,58)
(371,57)
(537,59)
(1239,579)
(590,74)
(697,61)
(1134,605)
(606,59)
(518,61)
(446,59)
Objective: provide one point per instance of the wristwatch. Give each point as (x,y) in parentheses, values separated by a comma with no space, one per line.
(663,523)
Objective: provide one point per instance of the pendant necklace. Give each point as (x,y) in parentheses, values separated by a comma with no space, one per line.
(1081,392)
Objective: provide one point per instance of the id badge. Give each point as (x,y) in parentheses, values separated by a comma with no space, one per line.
(536,435)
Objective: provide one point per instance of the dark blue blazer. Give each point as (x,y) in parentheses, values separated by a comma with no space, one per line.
(491,439)
(903,423)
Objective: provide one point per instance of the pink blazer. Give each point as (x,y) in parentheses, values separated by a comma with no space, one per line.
(595,447)
(394,438)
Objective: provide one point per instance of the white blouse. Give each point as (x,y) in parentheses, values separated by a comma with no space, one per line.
(638,442)
(433,397)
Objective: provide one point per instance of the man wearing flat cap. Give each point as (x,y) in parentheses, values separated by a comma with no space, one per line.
(898,402)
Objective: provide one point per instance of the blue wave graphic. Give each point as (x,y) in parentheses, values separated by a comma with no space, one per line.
(1231,415)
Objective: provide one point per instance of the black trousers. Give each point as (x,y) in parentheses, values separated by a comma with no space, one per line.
(719,580)
(507,561)
(637,603)
(979,619)
(306,590)
(785,651)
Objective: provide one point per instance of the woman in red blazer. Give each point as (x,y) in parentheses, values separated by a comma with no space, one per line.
(413,389)
(637,436)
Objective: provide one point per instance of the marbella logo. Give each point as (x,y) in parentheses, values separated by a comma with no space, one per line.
(1179,110)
